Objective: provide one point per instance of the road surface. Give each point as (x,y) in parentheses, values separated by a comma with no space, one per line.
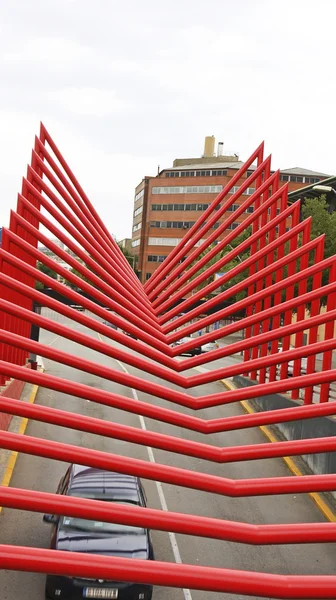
(23,528)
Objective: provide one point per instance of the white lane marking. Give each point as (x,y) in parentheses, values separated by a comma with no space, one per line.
(54,340)
(163,502)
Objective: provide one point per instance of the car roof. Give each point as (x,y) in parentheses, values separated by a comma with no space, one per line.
(111,485)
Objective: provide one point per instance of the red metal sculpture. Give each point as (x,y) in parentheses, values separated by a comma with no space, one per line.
(282,270)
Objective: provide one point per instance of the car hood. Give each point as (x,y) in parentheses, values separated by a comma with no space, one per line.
(128,546)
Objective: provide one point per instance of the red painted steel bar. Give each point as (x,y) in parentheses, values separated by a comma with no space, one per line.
(170,416)
(315,308)
(235,271)
(237,326)
(149,387)
(263,241)
(76,203)
(277,298)
(45,136)
(138,330)
(194,235)
(223,279)
(86,252)
(263,361)
(79,221)
(112,512)
(300,315)
(329,333)
(223,227)
(278,246)
(188,329)
(108,568)
(95,280)
(163,304)
(90,342)
(97,459)
(89,366)
(76,228)
(95,325)
(165,442)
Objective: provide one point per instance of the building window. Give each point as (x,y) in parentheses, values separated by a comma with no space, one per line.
(213,173)
(135,243)
(180,207)
(218,172)
(139,195)
(148,276)
(152,241)
(284,177)
(296,178)
(312,179)
(172,224)
(138,211)
(137,226)
(192,189)
(155,258)
(250,209)
(248,192)
(249,173)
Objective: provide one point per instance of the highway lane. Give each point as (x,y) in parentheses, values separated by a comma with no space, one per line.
(41,474)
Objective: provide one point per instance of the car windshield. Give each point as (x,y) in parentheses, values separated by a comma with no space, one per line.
(100,526)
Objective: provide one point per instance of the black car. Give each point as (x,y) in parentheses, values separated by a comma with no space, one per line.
(191,351)
(111,539)
(110,324)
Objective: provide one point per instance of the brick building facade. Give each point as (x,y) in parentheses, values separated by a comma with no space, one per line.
(167,205)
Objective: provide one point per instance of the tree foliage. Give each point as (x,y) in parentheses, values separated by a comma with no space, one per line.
(131,258)
(236,261)
(48,271)
(322,222)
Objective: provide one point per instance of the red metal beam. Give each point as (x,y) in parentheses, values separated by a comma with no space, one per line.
(220,529)
(75,564)
(167,474)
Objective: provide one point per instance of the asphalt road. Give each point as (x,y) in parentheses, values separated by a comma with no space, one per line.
(23,528)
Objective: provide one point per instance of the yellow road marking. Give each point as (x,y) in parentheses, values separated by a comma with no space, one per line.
(13,456)
(320,503)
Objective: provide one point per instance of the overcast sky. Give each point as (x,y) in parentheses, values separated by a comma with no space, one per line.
(125,86)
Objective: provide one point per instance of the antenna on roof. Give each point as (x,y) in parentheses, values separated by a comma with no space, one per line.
(158,170)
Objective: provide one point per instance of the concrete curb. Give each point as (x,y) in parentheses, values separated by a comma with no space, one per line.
(250,408)
(13,389)
(20,427)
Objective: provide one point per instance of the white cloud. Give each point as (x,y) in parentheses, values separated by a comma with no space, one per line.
(86,101)
(123,87)
(41,51)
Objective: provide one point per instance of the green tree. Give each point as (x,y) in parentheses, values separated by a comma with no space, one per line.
(131,258)
(322,222)
(228,267)
(48,271)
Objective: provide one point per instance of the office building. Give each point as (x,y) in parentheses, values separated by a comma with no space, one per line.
(167,205)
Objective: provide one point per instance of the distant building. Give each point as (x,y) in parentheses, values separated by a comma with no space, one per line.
(126,244)
(327,188)
(167,205)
